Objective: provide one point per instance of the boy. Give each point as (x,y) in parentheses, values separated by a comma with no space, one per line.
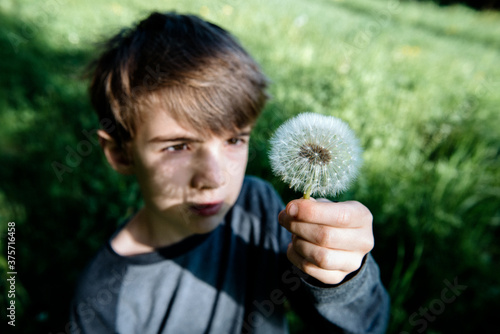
(206,253)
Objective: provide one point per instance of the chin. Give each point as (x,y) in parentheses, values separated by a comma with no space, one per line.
(206,225)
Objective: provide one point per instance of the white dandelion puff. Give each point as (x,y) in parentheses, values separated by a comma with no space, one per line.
(315,154)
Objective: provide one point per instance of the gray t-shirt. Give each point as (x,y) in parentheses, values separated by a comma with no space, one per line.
(235,279)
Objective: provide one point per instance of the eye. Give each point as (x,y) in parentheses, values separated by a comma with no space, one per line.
(236,141)
(175,148)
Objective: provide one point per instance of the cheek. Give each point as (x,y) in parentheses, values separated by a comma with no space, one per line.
(161,178)
(237,163)
(235,169)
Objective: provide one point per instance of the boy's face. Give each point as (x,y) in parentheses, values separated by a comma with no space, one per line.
(189,180)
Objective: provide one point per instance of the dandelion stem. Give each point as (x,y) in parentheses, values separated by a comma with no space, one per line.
(307,194)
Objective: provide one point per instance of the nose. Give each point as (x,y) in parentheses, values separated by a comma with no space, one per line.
(208,170)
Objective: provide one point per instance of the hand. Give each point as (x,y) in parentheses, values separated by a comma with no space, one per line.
(329,240)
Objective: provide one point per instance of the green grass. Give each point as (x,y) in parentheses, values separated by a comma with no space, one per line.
(415,81)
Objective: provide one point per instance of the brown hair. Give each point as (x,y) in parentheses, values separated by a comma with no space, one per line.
(194,69)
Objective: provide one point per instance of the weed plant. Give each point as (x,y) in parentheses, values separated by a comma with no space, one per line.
(417,83)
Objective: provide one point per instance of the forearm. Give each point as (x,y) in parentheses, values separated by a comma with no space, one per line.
(358,305)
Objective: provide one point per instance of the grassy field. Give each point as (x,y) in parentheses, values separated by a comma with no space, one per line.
(416,82)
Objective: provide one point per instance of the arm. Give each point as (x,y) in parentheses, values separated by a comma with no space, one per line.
(331,244)
(359,305)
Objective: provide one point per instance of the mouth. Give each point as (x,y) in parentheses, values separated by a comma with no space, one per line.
(206,209)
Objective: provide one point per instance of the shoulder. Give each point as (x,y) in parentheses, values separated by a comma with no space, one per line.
(94,304)
(100,282)
(95,300)
(255,213)
(102,266)
(258,196)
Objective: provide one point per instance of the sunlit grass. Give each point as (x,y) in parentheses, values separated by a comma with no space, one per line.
(416,82)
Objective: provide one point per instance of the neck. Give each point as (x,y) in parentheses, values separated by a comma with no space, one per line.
(146,232)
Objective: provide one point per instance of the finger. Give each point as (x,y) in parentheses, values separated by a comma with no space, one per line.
(325,276)
(351,214)
(332,237)
(327,259)
(288,214)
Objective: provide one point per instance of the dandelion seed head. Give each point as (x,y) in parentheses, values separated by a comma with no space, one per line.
(317,151)
(315,154)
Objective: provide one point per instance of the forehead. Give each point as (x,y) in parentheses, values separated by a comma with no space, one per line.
(159,122)
(205,110)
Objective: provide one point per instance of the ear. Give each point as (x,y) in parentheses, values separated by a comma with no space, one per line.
(118,157)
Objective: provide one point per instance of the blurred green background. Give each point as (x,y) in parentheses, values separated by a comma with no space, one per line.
(418,83)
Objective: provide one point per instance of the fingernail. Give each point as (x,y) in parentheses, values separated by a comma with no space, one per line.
(293,210)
